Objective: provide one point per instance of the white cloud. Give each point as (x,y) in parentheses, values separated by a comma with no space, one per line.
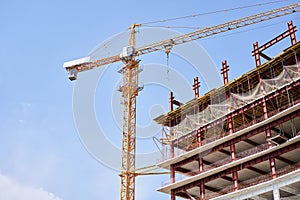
(11,190)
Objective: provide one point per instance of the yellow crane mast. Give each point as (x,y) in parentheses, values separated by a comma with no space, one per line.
(129,94)
(130,87)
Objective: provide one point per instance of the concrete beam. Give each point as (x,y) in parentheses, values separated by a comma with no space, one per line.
(291,190)
(251,142)
(285,160)
(258,198)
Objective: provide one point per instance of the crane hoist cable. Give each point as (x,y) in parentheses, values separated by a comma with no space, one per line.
(167,51)
(247,30)
(213,12)
(183,27)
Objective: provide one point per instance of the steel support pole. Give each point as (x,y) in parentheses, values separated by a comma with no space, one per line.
(256,54)
(172,174)
(267,131)
(173,196)
(292,34)
(202,191)
(224,71)
(196,87)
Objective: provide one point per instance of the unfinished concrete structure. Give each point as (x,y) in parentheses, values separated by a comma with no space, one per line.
(239,141)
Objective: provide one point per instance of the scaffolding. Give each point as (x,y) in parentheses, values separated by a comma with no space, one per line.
(191,121)
(277,86)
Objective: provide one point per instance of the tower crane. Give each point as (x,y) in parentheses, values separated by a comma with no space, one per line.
(130,87)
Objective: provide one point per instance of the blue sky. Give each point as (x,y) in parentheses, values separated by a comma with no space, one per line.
(40,149)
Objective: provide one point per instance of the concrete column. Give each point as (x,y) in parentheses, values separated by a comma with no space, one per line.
(276,193)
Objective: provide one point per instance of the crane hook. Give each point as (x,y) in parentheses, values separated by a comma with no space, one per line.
(167,51)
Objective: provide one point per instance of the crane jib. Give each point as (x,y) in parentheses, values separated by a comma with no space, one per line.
(206,32)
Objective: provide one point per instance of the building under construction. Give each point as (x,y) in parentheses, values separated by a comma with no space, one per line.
(239,141)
